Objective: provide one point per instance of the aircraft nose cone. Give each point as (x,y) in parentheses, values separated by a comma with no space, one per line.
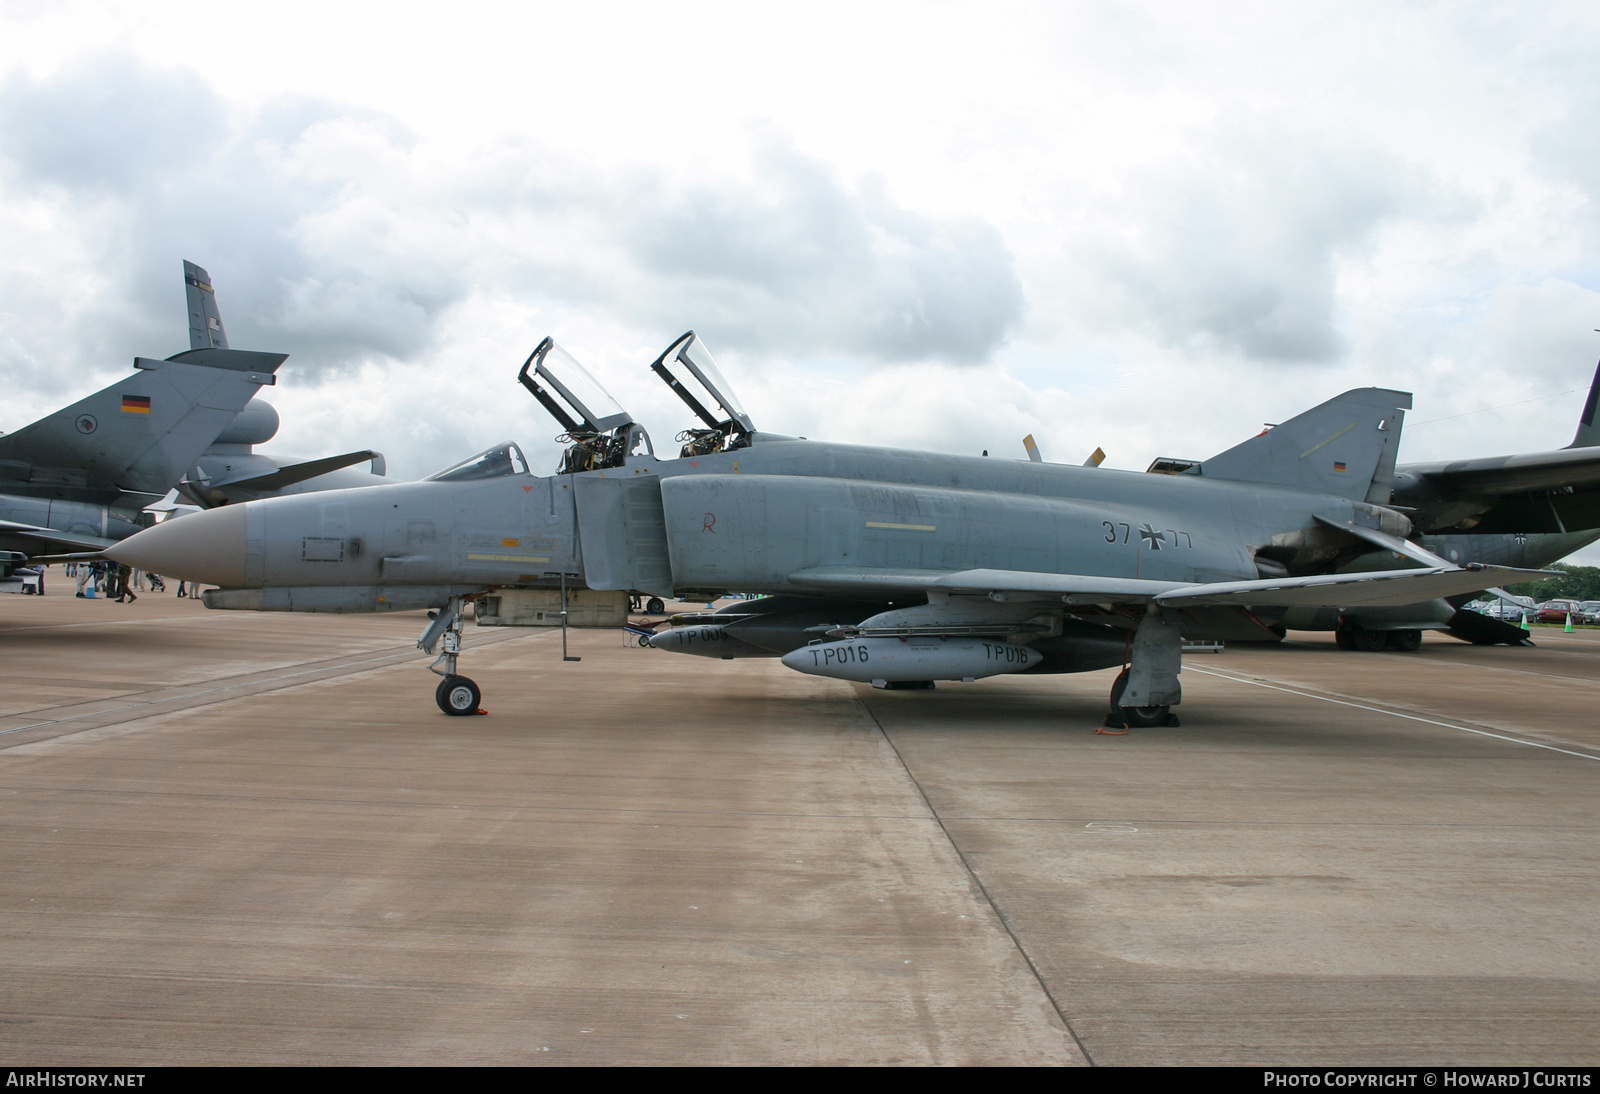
(207,547)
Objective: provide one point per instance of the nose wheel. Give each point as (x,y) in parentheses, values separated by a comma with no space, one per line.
(456,694)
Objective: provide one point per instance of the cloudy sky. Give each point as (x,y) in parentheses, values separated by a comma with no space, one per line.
(1149,227)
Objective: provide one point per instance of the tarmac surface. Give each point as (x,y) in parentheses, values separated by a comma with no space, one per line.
(229,837)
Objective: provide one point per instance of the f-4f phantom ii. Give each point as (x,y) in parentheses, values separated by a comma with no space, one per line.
(878,565)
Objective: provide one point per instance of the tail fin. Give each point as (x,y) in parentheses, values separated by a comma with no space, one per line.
(205,322)
(1347,446)
(1588,430)
(140,434)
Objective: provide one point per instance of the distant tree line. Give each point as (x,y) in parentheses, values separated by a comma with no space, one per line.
(1581,583)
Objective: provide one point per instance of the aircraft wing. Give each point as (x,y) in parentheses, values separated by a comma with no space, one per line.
(1496,475)
(1322,590)
(1349,590)
(49,539)
(1024,584)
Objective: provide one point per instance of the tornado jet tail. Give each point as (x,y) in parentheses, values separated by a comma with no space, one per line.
(142,433)
(1588,430)
(1346,446)
(205,321)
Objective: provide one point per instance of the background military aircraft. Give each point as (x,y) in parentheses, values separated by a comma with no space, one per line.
(80,479)
(878,564)
(230,469)
(1551,492)
(1527,510)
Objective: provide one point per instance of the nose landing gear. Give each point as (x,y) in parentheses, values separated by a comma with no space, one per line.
(456,695)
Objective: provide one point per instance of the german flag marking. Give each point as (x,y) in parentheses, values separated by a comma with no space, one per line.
(136,404)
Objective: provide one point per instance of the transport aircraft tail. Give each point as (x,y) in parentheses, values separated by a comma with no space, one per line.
(1588,430)
(205,321)
(1347,446)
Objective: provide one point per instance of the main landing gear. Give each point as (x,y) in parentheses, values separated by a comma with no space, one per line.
(456,695)
(1150,682)
(1365,641)
(1136,717)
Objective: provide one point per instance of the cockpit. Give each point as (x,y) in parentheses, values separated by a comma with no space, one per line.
(600,434)
(492,463)
(721,434)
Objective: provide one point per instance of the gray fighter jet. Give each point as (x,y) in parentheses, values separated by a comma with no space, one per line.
(878,565)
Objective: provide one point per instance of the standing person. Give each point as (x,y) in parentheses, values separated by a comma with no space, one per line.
(84,570)
(121,581)
(182,591)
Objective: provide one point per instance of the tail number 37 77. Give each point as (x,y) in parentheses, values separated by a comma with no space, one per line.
(1151,539)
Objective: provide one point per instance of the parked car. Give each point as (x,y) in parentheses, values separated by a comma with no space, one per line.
(1511,611)
(1590,610)
(1557,611)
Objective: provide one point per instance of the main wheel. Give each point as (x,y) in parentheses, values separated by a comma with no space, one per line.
(1358,638)
(1136,717)
(654,606)
(1405,641)
(1369,641)
(457,695)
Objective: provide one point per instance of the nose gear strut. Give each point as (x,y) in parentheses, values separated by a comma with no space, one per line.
(456,695)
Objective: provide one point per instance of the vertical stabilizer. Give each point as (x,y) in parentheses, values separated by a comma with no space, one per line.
(205,322)
(1347,446)
(1588,429)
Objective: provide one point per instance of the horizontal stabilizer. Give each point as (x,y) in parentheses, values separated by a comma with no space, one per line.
(1389,543)
(296,472)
